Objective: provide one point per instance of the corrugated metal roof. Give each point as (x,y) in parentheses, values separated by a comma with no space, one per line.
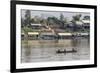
(64,34)
(33,33)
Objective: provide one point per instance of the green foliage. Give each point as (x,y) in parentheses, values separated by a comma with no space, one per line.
(27,18)
(76,18)
(61,17)
(26,29)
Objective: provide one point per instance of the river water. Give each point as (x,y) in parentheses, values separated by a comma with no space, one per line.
(45,50)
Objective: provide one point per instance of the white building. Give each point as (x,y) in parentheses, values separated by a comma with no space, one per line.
(86,23)
(36,26)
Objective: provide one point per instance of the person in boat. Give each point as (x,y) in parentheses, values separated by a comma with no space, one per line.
(73,50)
(64,51)
(58,51)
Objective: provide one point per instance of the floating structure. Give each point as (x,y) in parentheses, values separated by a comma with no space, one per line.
(33,35)
(64,35)
(53,36)
(47,36)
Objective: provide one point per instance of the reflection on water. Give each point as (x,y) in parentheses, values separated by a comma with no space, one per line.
(45,50)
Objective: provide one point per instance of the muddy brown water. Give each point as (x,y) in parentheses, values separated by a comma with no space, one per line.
(45,50)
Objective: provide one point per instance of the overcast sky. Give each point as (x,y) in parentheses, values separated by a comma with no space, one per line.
(46,14)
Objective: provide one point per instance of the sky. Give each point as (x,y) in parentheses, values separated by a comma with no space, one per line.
(45,14)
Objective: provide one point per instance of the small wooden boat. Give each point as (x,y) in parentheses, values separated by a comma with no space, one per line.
(65,51)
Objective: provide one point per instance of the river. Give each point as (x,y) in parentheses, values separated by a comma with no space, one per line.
(45,50)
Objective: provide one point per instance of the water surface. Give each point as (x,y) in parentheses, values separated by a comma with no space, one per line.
(45,50)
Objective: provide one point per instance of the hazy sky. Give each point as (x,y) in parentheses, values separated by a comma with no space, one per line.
(46,14)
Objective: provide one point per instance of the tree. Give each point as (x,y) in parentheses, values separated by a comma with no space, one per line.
(27,23)
(65,20)
(32,20)
(27,18)
(56,22)
(75,18)
(61,17)
(22,22)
